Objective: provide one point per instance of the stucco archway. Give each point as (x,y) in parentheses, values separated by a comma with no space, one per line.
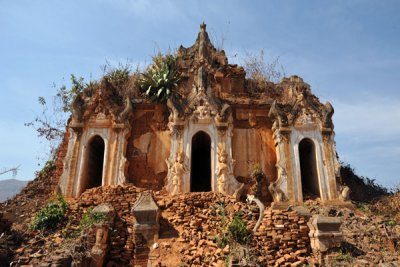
(309,170)
(200,169)
(94,160)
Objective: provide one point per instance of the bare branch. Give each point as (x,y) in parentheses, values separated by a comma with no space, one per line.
(14,171)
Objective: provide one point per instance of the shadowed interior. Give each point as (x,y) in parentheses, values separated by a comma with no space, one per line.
(94,163)
(200,175)
(308,165)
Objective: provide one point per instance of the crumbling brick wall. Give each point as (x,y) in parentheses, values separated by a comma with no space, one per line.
(144,151)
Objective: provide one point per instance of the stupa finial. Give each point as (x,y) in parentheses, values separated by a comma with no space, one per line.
(203,27)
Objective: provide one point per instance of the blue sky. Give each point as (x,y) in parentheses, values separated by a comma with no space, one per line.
(348,51)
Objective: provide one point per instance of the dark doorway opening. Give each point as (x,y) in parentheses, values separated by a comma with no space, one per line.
(200,170)
(93,171)
(308,166)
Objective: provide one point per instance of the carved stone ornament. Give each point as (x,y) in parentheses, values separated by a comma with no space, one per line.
(101,116)
(175,110)
(222,171)
(279,187)
(203,109)
(226,182)
(304,119)
(344,193)
(176,172)
(277,115)
(280,137)
(127,111)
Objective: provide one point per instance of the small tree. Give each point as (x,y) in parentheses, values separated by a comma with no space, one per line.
(238,230)
(50,123)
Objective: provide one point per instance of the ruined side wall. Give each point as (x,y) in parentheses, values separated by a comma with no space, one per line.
(252,143)
(148,147)
(62,151)
(251,146)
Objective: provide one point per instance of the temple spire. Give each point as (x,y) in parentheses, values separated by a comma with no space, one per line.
(203,36)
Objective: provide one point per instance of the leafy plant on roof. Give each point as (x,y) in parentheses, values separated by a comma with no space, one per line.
(159,81)
(117,75)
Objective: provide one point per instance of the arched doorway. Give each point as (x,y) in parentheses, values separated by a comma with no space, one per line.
(200,169)
(93,171)
(308,166)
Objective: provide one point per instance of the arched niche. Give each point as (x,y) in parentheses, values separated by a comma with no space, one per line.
(309,169)
(200,169)
(92,175)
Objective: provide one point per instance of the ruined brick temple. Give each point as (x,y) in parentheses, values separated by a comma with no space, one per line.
(207,141)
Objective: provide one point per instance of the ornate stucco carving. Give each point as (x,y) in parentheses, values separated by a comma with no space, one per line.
(278,188)
(344,193)
(175,110)
(177,170)
(222,172)
(126,112)
(327,115)
(201,108)
(277,115)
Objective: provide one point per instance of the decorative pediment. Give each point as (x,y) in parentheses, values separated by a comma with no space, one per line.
(101,108)
(300,107)
(305,118)
(202,107)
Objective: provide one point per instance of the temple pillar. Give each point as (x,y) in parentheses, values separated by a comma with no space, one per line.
(70,161)
(330,163)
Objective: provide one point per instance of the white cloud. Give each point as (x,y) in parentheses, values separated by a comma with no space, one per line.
(372,116)
(367,133)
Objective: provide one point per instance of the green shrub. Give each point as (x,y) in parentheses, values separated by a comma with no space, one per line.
(160,79)
(238,230)
(363,207)
(257,172)
(67,96)
(391,223)
(90,218)
(222,241)
(48,168)
(344,257)
(118,75)
(259,179)
(51,215)
(223,238)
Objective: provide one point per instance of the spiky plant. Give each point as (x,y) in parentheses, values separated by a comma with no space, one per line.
(160,80)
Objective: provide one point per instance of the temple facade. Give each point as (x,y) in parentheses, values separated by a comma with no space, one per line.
(207,140)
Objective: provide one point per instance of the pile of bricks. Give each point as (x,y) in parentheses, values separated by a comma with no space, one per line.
(199,220)
(202,217)
(121,198)
(282,239)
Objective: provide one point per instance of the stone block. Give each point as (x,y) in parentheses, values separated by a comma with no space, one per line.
(146,210)
(324,233)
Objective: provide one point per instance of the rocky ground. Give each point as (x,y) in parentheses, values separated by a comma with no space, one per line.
(371,232)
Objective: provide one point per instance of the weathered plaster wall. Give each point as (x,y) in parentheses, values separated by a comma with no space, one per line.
(250,146)
(148,147)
